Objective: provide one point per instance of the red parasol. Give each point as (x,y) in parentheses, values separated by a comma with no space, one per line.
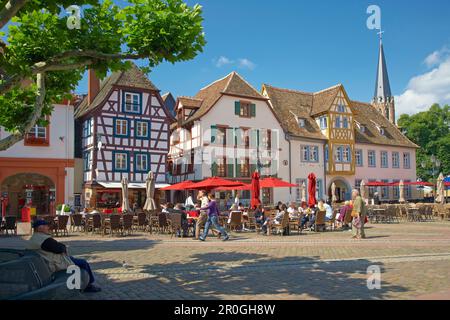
(246,187)
(214,183)
(255,190)
(312,190)
(179,186)
(275,183)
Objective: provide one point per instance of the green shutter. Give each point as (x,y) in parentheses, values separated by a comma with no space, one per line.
(238,169)
(213,134)
(237,108)
(214,170)
(230,167)
(253,110)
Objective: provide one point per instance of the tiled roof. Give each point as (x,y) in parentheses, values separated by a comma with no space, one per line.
(232,84)
(131,78)
(290,105)
(370,118)
(190,102)
(323,99)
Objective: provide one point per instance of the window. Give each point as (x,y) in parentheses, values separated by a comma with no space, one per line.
(395,190)
(372,158)
(372,189)
(141,162)
(37,136)
(408,193)
(300,182)
(266,141)
(132,102)
(243,168)
(219,168)
(406,160)
(337,123)
(38,132)
(221,136)
(88,127)
(120,161)
(385,190)
(362,128)
(395,160)
(141,129)
(384,159)
(358,183)
(313,154)
(323,122)
(359,158)
(244,109)
(345,122)
(241,137)
(310,154)
(338,154)
(87,161)
(381,131)
(319,189)
(346,156)
(341,108)
(121,127)
(305,156)
(301,122)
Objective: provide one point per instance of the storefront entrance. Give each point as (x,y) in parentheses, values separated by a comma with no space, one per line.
(31,189)
(343,190)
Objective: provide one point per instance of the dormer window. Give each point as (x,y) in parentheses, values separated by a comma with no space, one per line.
(132,102)
(362,128)
(382,132)
(244,109)
(301,122)
(323,122)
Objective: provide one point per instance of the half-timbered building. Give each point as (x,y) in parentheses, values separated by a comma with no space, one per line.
(123,131)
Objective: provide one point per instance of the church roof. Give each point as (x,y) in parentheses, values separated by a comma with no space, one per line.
(382,85)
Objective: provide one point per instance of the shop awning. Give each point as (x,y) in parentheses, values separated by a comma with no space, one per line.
(131,185)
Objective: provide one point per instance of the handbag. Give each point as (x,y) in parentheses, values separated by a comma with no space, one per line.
(357,223)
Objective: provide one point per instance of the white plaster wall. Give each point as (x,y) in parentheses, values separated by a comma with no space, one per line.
(61,125)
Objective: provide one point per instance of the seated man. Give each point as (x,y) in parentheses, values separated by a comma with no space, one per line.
(55,253)
(277,220)
(259,215)
(292,210)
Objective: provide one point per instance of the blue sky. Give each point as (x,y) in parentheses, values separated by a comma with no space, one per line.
(311,45)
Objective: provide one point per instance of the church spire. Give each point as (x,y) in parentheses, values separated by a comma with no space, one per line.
(383,99)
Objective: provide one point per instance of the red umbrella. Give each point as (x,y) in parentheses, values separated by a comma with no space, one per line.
(312,190)
(255,190)
(237,188)
(214,183)
(179,186)
(275,183)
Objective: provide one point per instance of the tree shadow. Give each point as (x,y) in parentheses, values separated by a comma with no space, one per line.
(236,276)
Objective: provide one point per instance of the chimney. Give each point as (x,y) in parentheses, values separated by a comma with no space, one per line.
(93,85)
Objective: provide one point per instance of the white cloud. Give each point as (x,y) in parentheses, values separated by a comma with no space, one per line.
(246,64)
(436,57)
(222,61)
(428,88)
(242,63)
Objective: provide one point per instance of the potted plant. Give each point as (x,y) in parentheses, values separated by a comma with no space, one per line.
(58,209)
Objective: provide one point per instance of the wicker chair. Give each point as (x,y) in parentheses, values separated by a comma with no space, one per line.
(251,222)
(94,224)
(61,225)
(112,225)
(281,227)
(235,220)
(141,221)
(320,221)
(76,222)
(127,224)
(175,224)
(163,223)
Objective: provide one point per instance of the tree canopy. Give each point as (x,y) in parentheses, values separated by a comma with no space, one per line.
(42,59)
(431,131)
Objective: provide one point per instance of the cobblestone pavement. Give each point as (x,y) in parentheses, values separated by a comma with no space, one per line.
(414,259)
